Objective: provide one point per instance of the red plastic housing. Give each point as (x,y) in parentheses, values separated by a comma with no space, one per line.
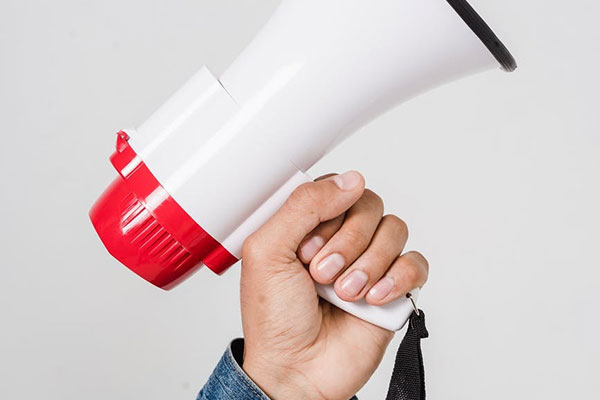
(144,228)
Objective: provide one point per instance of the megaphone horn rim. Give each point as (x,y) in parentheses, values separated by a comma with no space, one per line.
(484,33)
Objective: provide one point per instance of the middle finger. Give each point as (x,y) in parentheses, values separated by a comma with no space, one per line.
(361,221)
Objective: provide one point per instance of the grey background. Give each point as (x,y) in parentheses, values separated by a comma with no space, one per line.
(497,177)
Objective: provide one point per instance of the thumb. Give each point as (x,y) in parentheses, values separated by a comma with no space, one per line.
(309,205)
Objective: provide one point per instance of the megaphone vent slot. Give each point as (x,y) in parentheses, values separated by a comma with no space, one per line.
(485,34)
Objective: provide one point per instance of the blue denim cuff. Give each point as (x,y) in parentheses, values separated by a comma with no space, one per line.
(229,381)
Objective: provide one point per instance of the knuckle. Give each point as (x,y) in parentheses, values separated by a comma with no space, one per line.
(373,199)
(304,194)
(357,238)
(304,200)
(398,225)
(415,268)
(420,260)
(380,258)
(412,273)
(249,243)
(250,246)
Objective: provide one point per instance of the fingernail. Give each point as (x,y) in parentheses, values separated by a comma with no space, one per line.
(331,266)
(311,247)
(382,289)
(347,181)
(354,283)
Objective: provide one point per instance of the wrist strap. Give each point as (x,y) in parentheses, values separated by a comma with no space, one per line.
(408,378)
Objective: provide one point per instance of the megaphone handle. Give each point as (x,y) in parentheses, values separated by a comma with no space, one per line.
(392,316)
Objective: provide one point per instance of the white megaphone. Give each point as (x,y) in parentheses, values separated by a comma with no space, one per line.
(222,155)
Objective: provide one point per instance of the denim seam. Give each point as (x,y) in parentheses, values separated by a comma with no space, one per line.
(245,380)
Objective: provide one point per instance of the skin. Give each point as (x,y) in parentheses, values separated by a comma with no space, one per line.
(297,345)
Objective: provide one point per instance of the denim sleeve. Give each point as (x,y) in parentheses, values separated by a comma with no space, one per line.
(229,381)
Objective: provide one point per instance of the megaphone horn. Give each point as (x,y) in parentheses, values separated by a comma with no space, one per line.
(221,156)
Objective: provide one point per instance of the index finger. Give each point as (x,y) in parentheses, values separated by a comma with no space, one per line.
(308,206)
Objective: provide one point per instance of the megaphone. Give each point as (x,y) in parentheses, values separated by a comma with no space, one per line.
(222,155)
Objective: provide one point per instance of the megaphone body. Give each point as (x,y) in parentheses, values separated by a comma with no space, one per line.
(218,159)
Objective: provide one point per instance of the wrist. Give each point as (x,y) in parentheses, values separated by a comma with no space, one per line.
(280,382)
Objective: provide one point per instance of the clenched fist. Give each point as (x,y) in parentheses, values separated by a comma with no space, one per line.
(330,231)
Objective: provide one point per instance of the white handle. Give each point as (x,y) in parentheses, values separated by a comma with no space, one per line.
(392,316)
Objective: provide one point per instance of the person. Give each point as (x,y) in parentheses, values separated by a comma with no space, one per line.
(295,345)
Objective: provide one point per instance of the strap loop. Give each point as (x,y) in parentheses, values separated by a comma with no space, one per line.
(408,378)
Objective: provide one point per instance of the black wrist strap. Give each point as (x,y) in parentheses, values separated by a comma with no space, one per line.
(408,378)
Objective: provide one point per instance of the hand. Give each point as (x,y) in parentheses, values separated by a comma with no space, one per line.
(301,347)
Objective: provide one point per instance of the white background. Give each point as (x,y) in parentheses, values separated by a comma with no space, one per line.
(497,177)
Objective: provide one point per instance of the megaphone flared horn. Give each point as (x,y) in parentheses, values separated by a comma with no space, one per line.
(221,156)
(340,63)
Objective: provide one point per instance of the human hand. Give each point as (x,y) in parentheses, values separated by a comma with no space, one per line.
(298,346)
